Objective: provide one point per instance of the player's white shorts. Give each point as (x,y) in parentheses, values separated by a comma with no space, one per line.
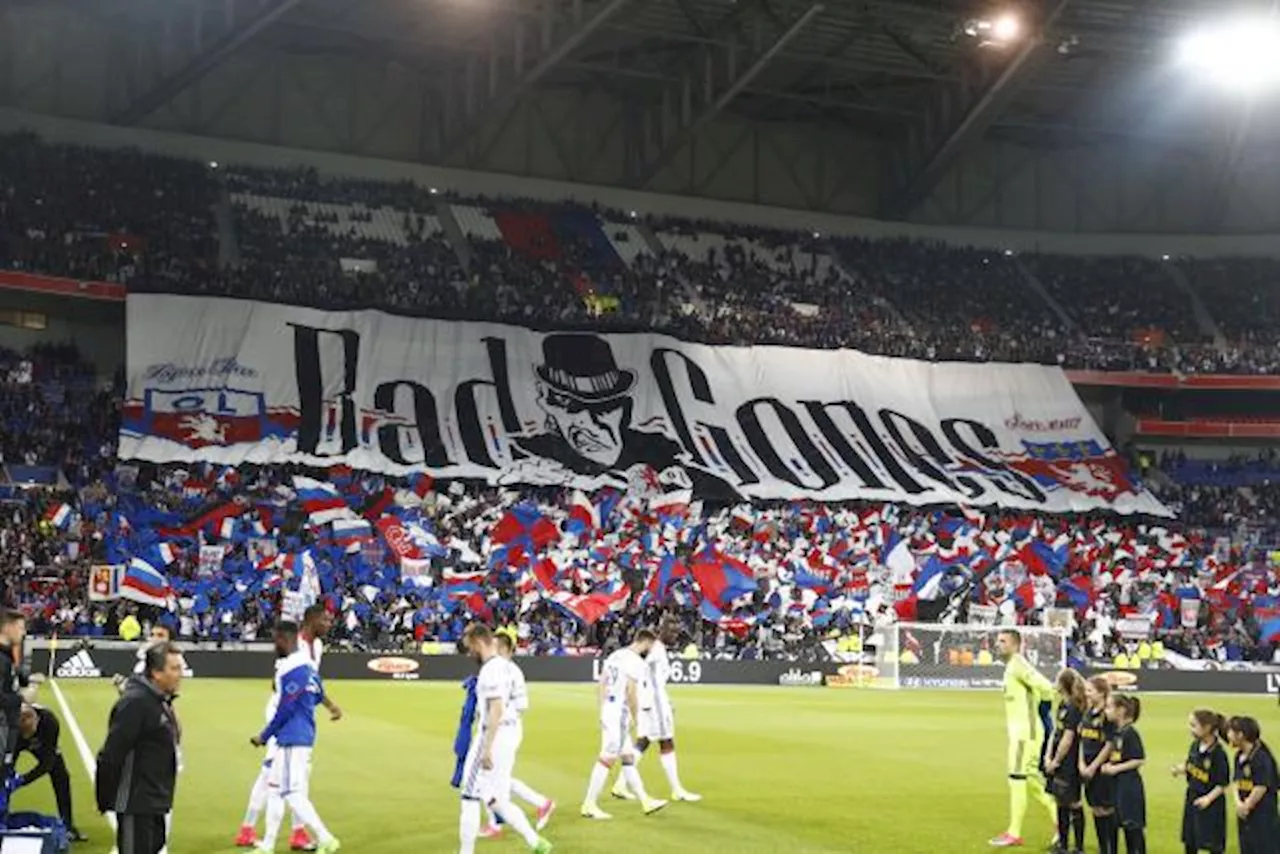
(657,723)
(615,736)
(269,758)
(291,770)
(485,784)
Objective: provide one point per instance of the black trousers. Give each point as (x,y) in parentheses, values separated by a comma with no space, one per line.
(61,780)
(140,834)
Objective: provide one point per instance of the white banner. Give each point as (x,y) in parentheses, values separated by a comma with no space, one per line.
(234,381)
(211,559)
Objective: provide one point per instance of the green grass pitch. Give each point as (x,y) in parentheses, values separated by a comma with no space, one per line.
(783,771)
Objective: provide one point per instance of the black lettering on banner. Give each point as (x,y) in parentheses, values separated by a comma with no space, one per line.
(749,421)
(1005,479)
(675,413)
(425,420)
(928,458)
(887,458)
(841,444)
(306,360)
(468,409)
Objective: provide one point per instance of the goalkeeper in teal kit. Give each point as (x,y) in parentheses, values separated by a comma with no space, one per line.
(1028,698)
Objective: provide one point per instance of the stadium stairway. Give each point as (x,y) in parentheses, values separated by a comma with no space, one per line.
(1036,285)
(1203,318)
(453,233)
(228,243)
(882,303)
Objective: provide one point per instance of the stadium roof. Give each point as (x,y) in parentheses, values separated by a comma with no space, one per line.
(876,63)
(903,70)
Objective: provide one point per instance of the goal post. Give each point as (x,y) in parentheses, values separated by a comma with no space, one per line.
(959,656)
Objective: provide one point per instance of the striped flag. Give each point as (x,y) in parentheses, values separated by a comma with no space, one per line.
(142,582)
(59,516)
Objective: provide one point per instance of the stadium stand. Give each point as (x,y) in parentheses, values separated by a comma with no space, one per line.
(333,243)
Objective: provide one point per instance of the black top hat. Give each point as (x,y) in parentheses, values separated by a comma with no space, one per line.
(582,367)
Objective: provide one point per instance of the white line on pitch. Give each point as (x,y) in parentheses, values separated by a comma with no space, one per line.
(82,745)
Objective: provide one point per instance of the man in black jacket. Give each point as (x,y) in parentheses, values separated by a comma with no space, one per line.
(13,629)
(138,763)
(38,732)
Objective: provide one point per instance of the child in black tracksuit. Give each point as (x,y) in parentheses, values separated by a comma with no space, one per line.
(1062,762)
(1095,733)
(1127,758)
(1256,783)
(1208,774)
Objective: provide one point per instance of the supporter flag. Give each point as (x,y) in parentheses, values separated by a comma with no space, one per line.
(1025,594)
(378,503)
(104,583)
(350,533)
(590,608)
(722,578)
(420,483)
(59,516)
(142,582)
(525,525)
(671,507)
(321,500)
(210,522)
(1271,631)
(1079,591)
(662,578)
(584,516)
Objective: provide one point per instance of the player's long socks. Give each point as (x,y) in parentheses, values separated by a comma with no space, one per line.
(672,771)
(306,813)
(275,815)
(1077,827)
(520,790)
(1113,833)
(1135,840)
(1064,825)
(632,775)
(515,817)
(599,776)
(257,801)
(1017,805)
(468,826)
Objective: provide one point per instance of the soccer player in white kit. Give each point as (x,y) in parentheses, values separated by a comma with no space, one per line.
(622,683)
(544,805)
(491,758)
(316,623)
(657,717)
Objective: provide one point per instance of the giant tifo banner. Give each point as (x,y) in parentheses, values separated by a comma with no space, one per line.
(232,381)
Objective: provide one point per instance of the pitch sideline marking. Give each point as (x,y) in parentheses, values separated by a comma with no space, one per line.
(82,744)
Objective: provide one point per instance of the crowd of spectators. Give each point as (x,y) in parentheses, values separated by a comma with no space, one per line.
(820,571)
(148,221)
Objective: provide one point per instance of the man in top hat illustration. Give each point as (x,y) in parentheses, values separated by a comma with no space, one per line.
(588,406)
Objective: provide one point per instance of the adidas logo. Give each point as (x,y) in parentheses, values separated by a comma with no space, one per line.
(79,666)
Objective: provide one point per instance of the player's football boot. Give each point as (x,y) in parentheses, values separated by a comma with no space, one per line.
(544,815)
(621,792)
(301,841)
(594,811)
(247,837)
(543,846)
(75,835)
(493,831)
(330,847)
(1006,840)
(652,805)
(686,795)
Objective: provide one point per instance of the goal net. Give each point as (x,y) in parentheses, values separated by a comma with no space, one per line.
(931,655)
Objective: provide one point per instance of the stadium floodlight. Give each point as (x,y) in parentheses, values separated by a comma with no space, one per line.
(213,164)
(1164,257)
(1006,28)
(434,191)
(993,32)
(1241,55)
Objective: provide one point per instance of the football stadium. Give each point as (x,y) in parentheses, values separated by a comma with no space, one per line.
(727,426)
